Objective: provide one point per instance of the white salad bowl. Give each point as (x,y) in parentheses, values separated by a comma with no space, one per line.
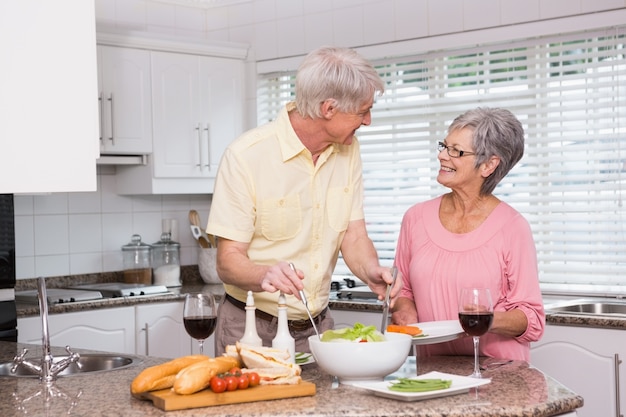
(367,361)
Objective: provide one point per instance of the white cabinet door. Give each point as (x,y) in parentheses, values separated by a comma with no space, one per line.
(124,100)
(48,83)
(585,360)
(198,111)
(109,330)
(222,99)
(161,332)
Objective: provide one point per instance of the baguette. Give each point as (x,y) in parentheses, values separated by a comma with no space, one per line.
(198,376)
(162,376)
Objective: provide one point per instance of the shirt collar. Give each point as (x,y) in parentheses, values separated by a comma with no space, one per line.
(290,144)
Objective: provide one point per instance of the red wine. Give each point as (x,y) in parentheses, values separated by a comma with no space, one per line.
(200,327)
(476,324)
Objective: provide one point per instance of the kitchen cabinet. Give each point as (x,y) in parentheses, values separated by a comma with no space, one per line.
(198,111)
(198,105)
(124,101)
(587,361)
(110,330)
(48,84)
(161,332)
(146,329)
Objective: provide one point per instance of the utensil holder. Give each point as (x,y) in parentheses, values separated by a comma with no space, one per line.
(207,265)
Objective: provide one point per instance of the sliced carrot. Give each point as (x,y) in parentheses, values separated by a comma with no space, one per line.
(410,330)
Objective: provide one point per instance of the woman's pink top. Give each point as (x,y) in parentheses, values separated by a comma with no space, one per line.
(500,255)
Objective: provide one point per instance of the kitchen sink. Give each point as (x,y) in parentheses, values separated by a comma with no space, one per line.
(87,364)
(591,307)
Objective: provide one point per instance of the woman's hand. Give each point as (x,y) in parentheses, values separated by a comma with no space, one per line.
(404,312)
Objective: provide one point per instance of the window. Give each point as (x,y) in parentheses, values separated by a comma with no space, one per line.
(570,94)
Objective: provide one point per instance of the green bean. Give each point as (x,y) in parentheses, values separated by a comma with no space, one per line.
(419,385)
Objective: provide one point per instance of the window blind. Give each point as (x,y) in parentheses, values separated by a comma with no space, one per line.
(569,91)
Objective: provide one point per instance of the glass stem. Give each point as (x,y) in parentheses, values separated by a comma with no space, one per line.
(476,365)
(201,345)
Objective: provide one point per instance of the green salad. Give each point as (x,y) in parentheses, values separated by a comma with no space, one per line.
(358,333)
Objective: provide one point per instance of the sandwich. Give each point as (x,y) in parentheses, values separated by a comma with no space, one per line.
(273,365)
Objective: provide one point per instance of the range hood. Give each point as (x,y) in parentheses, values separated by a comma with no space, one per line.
(122,160)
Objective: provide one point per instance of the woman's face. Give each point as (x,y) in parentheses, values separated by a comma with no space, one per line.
(459,172)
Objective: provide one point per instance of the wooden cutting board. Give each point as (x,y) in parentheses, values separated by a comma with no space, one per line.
(167,400)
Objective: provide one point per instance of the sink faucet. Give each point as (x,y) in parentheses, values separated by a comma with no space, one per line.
(47,369)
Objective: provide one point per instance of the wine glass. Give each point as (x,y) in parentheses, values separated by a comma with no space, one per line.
(476,316)
(200,316)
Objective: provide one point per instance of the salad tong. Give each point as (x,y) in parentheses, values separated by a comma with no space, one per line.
(394,275)
(306,305)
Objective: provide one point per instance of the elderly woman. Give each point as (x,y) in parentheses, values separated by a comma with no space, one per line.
(470,238)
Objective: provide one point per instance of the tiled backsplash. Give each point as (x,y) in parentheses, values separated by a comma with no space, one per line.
(81,233)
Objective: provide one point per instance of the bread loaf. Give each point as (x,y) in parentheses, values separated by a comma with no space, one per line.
(198,376)
(162,376)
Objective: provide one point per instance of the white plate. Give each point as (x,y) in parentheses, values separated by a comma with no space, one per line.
(460,384)
(438,332)
(304,358)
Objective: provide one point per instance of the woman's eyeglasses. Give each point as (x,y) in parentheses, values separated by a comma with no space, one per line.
(452,151)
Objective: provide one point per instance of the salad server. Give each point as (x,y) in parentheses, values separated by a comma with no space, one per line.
(306,305)
(394,275)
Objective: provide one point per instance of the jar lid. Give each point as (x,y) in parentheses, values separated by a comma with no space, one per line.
(166,242)
(136,244)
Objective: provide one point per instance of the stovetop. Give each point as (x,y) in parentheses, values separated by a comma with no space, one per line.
(351,289)
(118,289)
(58,296)
(92,292)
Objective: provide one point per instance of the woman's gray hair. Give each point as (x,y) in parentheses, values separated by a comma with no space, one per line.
(495,132)
(340,74)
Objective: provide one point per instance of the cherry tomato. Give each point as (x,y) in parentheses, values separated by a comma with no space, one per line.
(218,384)
(235,371)
(232,382)
(253,378)
(243,381)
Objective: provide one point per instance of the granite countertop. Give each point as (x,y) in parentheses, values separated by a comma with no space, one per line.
(516,390)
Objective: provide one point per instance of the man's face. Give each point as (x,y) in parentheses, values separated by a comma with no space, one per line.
(343,126)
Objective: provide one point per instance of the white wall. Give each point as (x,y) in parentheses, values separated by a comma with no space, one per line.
(79,233)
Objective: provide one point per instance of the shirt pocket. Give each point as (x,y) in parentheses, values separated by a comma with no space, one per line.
(281,218)
(339,206)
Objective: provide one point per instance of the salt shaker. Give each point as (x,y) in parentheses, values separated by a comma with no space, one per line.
(283,339)
(250,336)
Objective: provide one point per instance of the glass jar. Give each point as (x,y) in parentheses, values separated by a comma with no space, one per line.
(137,261)
(166,262)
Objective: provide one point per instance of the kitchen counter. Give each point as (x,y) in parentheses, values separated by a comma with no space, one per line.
(192,283)
(516,390)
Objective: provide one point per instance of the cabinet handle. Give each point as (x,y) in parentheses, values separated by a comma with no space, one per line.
(208,146)
(618,412)
(101,114)
(199,130)
(112,138)
(145,329)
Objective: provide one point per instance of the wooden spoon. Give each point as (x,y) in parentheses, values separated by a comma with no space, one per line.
(194,218)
